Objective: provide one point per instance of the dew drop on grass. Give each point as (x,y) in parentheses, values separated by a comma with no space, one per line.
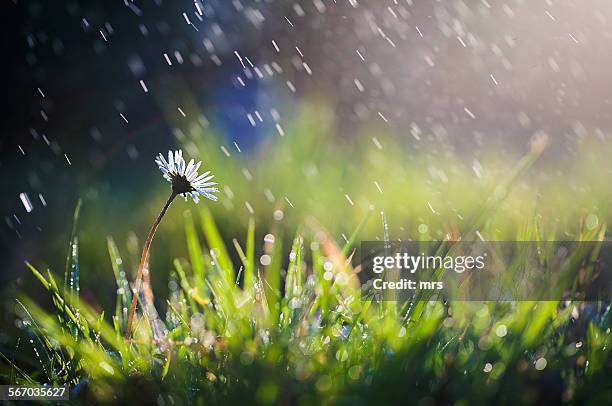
(488,367)
(591,221)
(265,260)
(501,330)
(294,303)
(541,363)
(278,215)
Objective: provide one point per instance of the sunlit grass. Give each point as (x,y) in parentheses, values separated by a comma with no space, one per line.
(264,304)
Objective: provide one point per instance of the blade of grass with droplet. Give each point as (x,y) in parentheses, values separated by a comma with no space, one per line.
(40,344)
(249,266)
(80,318)
(15,368)
(599,348)
(225,292)
(215,243)
(74,280)
(184,283)
(74,273)
(541,317)
(93,354)
(166,366)
(241,254)
(293,283)
(323,298)
(58,299)
(179,315)
(272,279)
(353,238)
(75,219)
(71,277)
(124,295)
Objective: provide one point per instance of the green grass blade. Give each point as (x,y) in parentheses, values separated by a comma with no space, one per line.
(195,250)
(215,243)
(249,266)
(124,294)
(69,255)
(347,247)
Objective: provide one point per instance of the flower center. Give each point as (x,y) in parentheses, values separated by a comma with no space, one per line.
(180,184)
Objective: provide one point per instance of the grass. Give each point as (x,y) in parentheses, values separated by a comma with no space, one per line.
(284,321)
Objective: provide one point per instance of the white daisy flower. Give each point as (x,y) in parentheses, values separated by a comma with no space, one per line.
(184,177)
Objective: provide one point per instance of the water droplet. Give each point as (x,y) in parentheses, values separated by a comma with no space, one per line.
(541,363)
(591,221)
(501,330)
(265,260)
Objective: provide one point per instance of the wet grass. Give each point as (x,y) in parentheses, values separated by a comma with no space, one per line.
(275,314)
(315,339)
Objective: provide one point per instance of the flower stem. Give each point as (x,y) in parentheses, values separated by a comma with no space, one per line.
(144,260)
